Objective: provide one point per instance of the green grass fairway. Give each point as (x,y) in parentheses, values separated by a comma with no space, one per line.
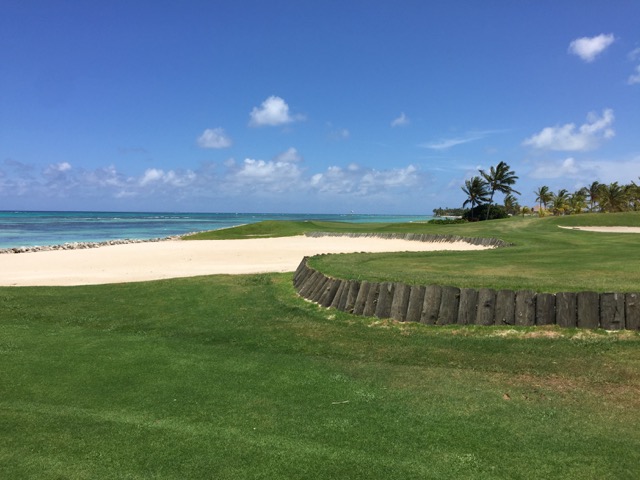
(235,377)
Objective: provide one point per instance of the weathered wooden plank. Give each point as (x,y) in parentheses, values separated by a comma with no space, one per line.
(632,311)
(352,294)
(566,309)
(431,305)
(588,304)
(545,309)
(341,297)
(416,300)
(329,292)
(340,294)
(449,302)
(385,298)
(505,307)
(612,311)
(315,294)
(301,272)
(468,306)
(309,283)
(372,300)
(400,302)
(525,313)
(486,307)
(361,299)
(335,300)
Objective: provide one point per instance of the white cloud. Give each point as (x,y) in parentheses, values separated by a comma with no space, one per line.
(566,168)
(586,171)
(607,171)
(337,134)
(401,121)
(274,111)
(588,48)
(214,138)
(289,156)
(569,138)
(105,177)
(362,181)
(58,168)
(282,174)
(151,175)
(264,176)
(283,179)
(171,178)
(634,77)
(446,143)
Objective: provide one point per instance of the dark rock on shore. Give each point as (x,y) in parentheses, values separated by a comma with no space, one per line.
(85,245)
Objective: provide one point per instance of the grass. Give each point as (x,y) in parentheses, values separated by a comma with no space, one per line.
(186,378)
(543,258)
(233,377)
(281,228)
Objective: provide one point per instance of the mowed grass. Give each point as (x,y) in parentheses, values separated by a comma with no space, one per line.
(233,377)
(543,258)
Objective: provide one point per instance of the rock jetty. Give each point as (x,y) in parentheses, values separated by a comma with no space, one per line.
(85,245)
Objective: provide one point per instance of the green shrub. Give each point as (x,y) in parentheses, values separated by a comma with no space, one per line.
(447,221)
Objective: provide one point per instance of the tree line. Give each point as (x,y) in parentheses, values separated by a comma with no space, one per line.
(598,197)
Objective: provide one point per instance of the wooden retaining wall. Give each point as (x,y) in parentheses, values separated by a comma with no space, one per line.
(445,305)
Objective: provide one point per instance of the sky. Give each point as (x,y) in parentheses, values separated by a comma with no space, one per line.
(290,106)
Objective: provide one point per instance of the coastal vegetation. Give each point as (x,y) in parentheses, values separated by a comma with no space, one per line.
(597,197)
(236,377)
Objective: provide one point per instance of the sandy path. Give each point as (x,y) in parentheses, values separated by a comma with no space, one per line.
(170,259)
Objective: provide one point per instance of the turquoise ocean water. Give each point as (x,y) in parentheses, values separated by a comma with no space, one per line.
(54,228)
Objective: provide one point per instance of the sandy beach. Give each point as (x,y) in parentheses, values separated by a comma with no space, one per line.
(606,229)
(176,258)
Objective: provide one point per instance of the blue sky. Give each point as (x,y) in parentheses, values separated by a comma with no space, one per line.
(312,107)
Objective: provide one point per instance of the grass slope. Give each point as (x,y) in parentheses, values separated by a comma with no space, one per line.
(235,377)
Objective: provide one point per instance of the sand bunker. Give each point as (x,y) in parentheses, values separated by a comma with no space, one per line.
(178,258)
(607,229)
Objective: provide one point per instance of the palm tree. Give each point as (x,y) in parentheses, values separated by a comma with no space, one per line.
(560,202)
(511,205)
(613,198)
(499,179)
(593,192)
(633,196)
(476,190)
(543,196)
(578,201)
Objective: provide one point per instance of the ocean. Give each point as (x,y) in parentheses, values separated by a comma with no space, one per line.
(27,229)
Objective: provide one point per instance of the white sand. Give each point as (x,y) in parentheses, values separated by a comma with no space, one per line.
(607,229)
(170,259)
